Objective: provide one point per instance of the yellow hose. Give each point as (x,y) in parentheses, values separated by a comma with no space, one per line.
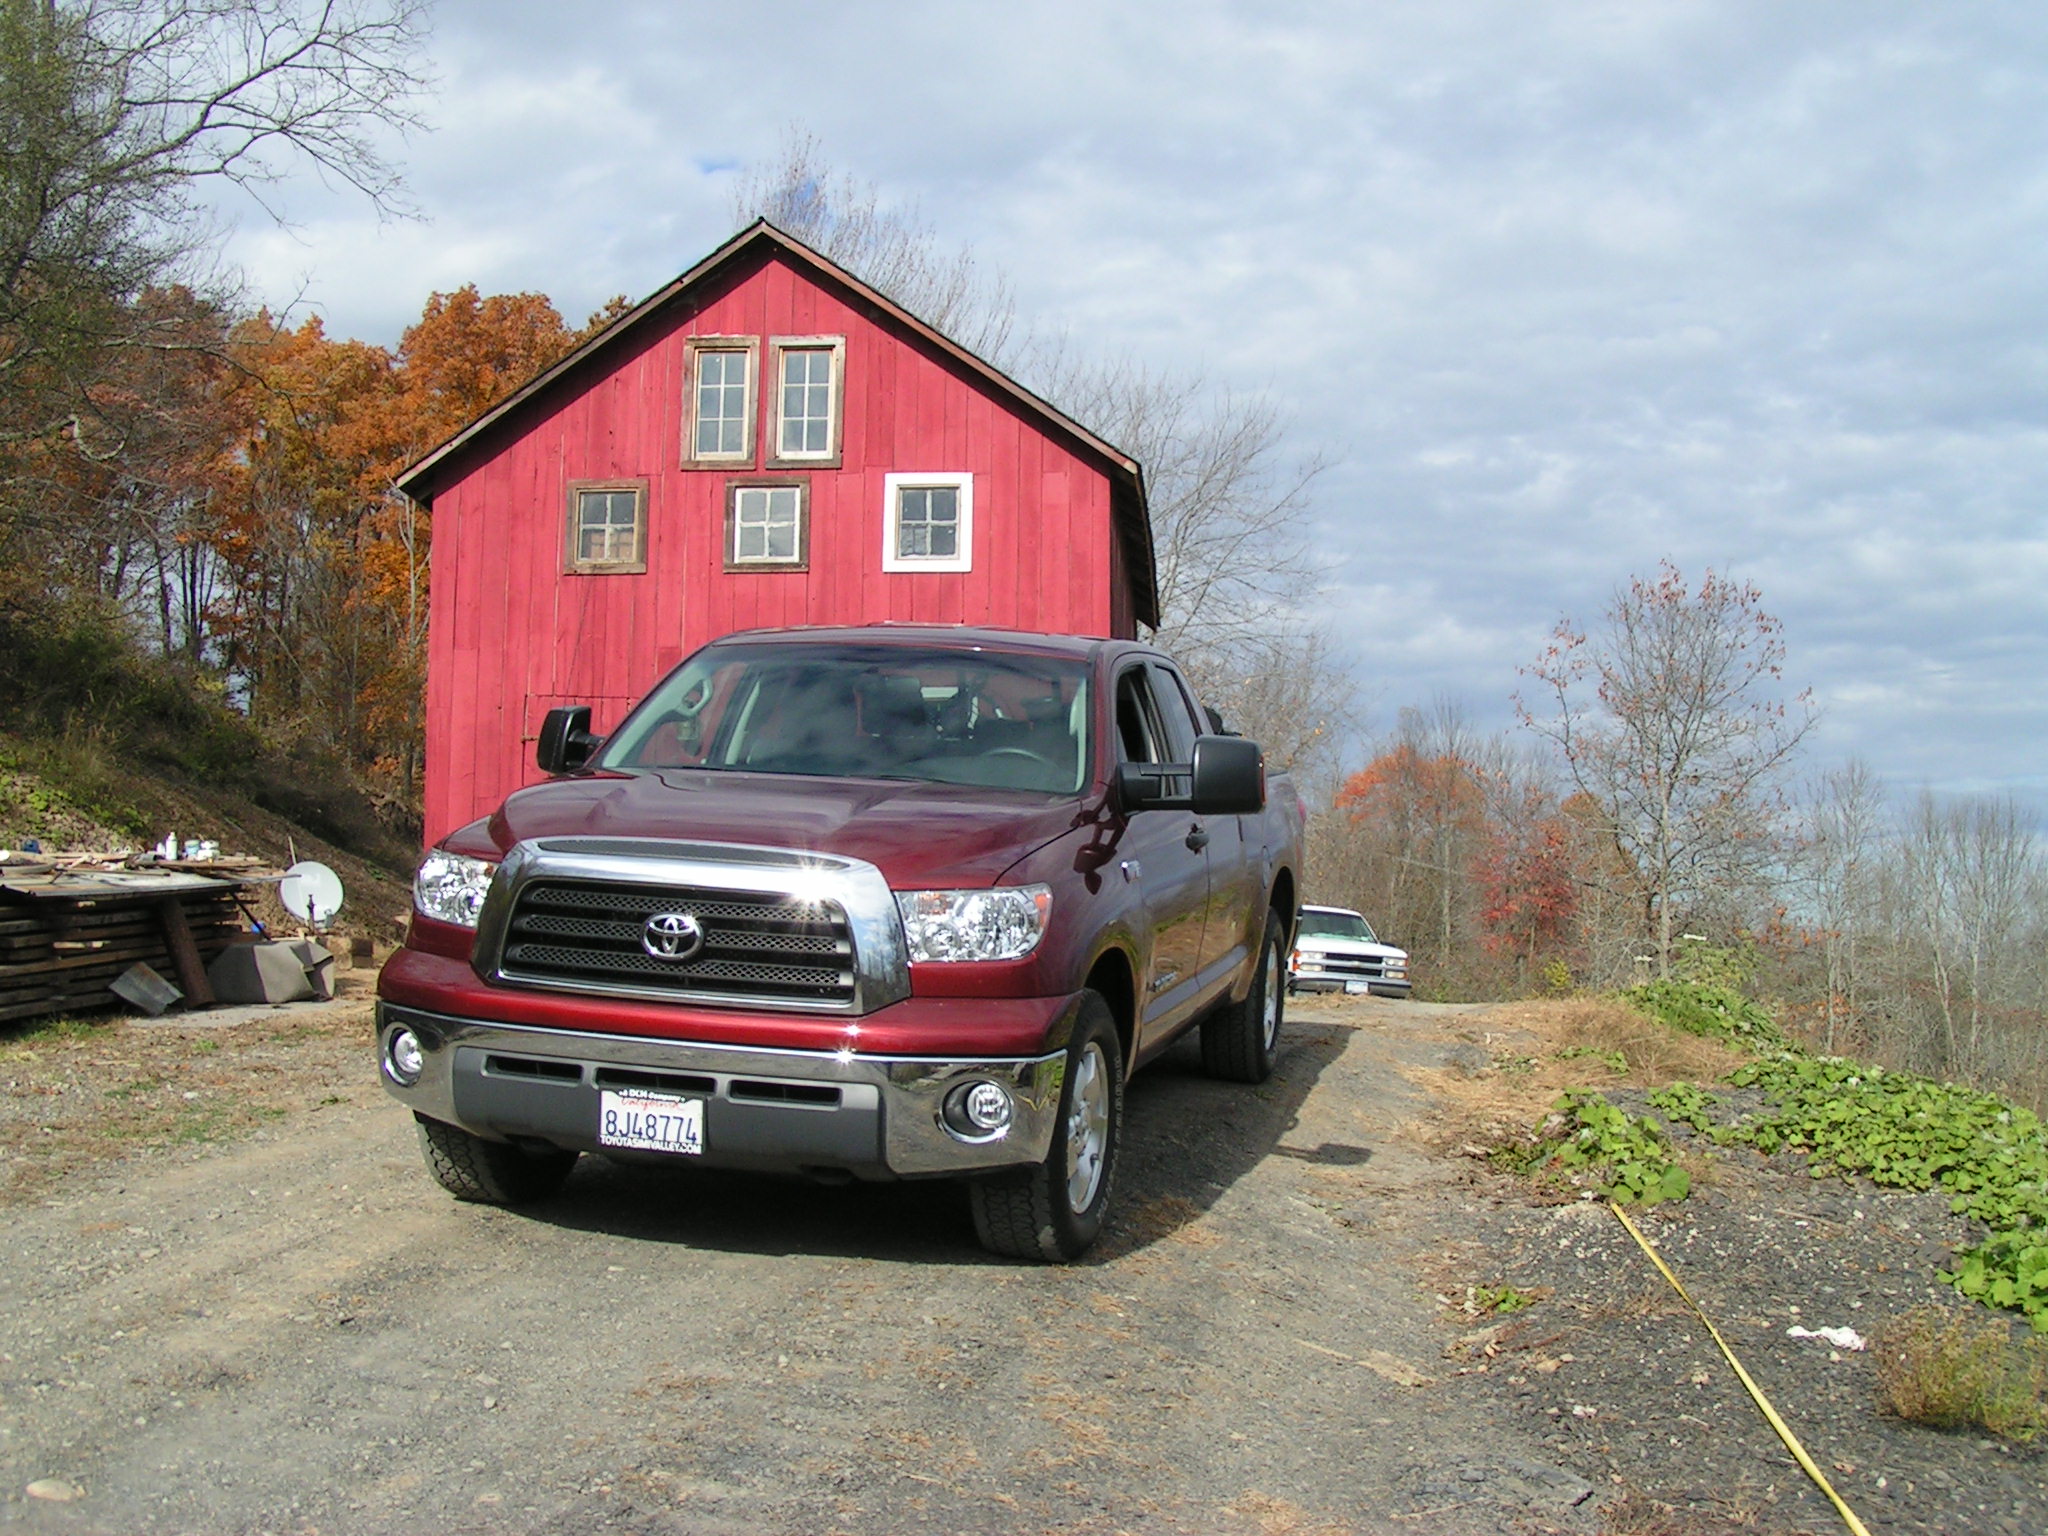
(1784,1431)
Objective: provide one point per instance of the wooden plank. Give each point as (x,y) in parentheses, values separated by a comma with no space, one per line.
(185,954)
(120,956)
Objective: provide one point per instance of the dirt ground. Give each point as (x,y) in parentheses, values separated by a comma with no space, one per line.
(235,1302)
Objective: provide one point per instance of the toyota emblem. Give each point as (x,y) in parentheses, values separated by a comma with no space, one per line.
(672,936)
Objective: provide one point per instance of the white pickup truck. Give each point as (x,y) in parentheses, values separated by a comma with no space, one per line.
(1337,951)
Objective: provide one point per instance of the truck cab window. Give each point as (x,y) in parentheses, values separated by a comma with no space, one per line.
(1176,714)
(1137,719)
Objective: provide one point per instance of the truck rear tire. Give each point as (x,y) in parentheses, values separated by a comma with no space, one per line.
(492,1172)
(1241,1041)
(1054,1210)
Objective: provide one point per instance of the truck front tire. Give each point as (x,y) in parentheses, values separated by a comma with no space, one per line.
(1054,1210)
(491,1172)
(1241,1041)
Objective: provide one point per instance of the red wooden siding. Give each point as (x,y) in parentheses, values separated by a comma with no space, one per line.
(512,633)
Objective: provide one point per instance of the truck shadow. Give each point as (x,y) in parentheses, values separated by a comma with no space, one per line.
(1187,1139)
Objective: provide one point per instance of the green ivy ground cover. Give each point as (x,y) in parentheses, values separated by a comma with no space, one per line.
(1903,1131)
(1897,1129)
(1627,1156)
(1705,1008)
(1893,1128)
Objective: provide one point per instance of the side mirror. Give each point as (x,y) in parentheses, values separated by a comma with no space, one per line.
(1229,775)
(565,741)
(1226,778)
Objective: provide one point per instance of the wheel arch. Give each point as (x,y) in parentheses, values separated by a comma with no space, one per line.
(1284,904)
(1113,976)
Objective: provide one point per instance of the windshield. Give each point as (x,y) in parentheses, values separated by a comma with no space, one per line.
(1336,925)
(883,712)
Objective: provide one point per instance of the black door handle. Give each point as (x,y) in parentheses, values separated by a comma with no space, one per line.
(1198,837)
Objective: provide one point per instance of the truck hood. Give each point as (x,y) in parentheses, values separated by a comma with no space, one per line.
(921,836)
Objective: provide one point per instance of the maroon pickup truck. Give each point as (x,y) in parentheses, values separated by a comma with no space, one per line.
(872,903)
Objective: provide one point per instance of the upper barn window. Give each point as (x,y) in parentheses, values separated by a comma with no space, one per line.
(809,380)
(721,371)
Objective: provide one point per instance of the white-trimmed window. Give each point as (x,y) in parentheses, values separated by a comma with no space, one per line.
(767,526)
(607,526)
(928,523)
(809,379)
(720,370)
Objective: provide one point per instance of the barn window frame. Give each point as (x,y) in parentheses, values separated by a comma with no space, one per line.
(736,489)
(894,492)
(695,350)
(833,350)
(574,561)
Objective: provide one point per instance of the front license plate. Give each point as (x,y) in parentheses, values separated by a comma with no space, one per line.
(1357,986)
(650,1122)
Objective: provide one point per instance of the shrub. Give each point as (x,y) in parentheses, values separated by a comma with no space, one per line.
(1711,1009)
(1952,1370)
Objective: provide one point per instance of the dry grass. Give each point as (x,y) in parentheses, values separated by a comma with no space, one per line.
(81,1094)
(1655,1055)
(1539,1049)
(1963,1370)
(1635,1515)
(1283,1517)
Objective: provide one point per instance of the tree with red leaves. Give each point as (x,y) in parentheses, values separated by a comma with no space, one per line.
(1528,880)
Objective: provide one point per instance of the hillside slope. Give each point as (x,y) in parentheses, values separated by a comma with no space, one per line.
(69,802)
(105,746)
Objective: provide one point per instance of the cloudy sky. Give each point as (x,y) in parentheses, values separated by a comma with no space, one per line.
(1560,290)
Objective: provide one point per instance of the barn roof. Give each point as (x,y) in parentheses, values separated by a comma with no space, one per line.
(426,476)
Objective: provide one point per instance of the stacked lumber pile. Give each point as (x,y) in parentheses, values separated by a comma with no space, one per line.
(67,934)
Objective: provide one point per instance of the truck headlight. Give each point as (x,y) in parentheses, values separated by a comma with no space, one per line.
(1000,924)
(450,887)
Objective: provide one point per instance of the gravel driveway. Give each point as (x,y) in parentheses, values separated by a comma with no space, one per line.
(296,1331)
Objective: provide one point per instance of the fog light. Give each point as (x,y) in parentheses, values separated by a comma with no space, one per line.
(403,1058)
(980,1109)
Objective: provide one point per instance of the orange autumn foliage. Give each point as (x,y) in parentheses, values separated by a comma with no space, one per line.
(324,621)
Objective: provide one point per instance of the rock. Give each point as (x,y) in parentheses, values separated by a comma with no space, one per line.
(1545,1484)
(55,1490)
(1392,1368)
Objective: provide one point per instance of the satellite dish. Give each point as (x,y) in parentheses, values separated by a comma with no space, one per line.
(310,892)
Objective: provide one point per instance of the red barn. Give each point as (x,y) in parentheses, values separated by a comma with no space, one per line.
(766,441)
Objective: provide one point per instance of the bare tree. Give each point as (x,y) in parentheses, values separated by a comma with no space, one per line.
(1228,508)
(801,193)
(1966,895)
(1670,722)
(114,112)
(1838,866)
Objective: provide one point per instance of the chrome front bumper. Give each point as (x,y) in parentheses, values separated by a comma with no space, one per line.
(822,1113)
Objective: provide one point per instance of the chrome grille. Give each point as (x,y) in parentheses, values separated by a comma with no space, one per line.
(1350,967)
(769,948)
